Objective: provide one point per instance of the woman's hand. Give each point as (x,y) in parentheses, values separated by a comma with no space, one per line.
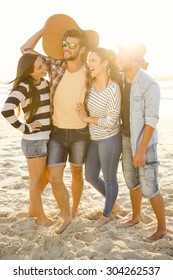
(83,115)
(36,125)
(82,112)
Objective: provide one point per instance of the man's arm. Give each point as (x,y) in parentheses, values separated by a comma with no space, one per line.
(32,42)
(152,102)
(140,157)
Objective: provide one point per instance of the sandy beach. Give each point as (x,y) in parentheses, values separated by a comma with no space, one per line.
(22,239)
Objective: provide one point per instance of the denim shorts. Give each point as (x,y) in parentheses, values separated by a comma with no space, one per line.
(68,144)
(34,148)
(145,176)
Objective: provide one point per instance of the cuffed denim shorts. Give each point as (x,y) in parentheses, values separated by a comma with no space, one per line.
(145,176)
(68,144)
(34,148)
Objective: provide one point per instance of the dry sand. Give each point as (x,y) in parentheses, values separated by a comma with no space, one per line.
(22,239)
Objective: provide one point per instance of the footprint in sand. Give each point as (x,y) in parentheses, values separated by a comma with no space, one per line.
(94,216)
(85,236)
(19,185)
(4,214)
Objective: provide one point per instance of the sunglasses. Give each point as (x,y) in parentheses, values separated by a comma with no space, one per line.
(70,45)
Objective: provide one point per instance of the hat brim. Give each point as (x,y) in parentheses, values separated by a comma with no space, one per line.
(54,30)
(136,52)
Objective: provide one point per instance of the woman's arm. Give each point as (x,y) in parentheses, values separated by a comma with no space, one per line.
(32,42)
(84,116)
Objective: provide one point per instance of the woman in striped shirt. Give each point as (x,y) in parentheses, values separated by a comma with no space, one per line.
(30,92)
(103,106)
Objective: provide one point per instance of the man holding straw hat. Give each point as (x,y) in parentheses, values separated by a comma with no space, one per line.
(67,46)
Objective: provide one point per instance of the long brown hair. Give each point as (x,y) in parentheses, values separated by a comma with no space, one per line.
(24,70)
(112,67)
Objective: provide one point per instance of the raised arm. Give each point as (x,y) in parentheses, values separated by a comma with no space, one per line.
(32,42)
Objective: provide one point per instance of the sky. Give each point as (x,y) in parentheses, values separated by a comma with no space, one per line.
(116,21)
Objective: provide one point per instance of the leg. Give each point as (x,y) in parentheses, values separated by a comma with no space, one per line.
(150,189)
(109,153)
(92,172)
(136,198)
(31,212)
(77,148)
(93,167)
(104,155)
(77,187)
(158,206)
(36,168)
(131,177)
(61,195)
(57,156)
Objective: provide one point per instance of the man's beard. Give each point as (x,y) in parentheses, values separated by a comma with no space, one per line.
(72,57)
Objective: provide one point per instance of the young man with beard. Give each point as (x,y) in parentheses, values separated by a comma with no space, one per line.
(67,47)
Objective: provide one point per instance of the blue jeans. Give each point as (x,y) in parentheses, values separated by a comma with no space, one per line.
(103,155)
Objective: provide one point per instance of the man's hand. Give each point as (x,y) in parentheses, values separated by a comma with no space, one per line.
(139,159)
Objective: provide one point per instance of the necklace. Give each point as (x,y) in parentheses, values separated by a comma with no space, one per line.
(101,88)
(108,79)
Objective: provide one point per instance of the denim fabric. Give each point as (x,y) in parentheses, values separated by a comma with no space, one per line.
(145,176)
(68,144)
(144,108)
(103,155)
(34,148)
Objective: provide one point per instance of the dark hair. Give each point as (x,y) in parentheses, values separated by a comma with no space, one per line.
(24,70)
(76,33)
(112,68)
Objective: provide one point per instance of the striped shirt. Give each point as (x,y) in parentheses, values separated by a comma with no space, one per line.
(21,97)
(106,106)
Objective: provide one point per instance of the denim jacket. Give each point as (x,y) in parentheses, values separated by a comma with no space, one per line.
(144,108)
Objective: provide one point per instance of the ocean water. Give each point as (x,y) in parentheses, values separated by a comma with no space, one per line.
(166,104)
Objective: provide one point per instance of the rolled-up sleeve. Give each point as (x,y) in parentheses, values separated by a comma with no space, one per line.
(152,104)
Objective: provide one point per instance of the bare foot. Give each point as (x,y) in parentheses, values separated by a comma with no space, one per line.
(44,222)
(63,226)
(129,223)
(101,221)
(74,214)
(31,212)
(155,236)
(116,207)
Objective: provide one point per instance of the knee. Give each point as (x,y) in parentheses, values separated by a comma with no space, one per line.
(36,183)
(55,181)
(77,174)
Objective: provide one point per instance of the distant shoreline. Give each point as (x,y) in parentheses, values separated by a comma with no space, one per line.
(163,78)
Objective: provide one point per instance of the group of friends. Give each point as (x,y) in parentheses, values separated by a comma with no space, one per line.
(95,106)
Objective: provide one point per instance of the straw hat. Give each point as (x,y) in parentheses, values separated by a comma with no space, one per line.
(136,52)
(55,28)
